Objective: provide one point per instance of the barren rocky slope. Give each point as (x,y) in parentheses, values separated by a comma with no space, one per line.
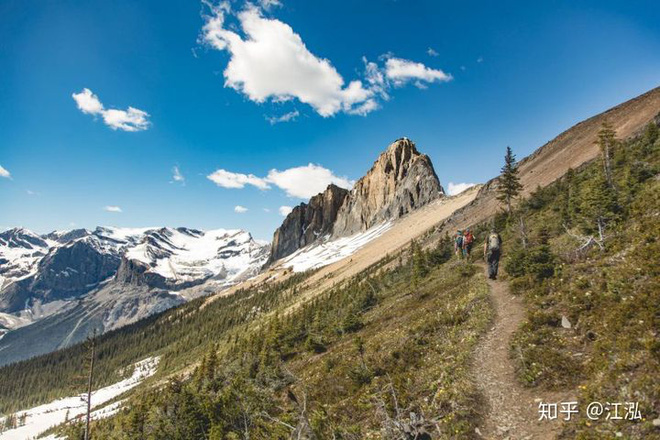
(570,149)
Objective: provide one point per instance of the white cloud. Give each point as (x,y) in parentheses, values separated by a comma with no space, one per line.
(111,208)
(4,172)
(301,182)
(88,102)
(272,63)
(132,119)
(285,210)
(456,188)
(31,193)
(480,60)
(401,71)
(286,117)
(431,52)
(240,209)
(268,61)
(266,210)
(227,179)
(306,181)
(177,176)
(128,120)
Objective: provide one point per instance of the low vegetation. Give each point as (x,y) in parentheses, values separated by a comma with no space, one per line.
(584,254)
(386,354)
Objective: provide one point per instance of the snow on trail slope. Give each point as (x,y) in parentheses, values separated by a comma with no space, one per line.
(43,417)
(317,255)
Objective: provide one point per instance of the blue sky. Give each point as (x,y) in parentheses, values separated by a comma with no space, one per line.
(207,85)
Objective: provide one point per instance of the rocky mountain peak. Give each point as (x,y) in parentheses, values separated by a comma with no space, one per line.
(308,222)
(400,180)
(21,238)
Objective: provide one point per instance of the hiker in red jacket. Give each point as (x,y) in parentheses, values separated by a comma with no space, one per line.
(468,239)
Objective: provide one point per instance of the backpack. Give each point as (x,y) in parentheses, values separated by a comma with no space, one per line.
(493,242)
(459,241)
(469,238)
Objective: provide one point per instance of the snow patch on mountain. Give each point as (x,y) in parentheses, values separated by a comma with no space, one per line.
(20,252)
(44,417)
(327,252)
(186,255)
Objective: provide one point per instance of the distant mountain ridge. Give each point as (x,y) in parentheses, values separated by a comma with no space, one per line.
(401,180)
(109,277)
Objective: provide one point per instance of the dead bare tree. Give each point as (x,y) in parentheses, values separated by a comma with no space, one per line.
(403,424)
(587,241)
(92,348)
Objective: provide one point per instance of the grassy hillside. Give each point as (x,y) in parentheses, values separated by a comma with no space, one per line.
(388,352)
(605,283)
(178,335)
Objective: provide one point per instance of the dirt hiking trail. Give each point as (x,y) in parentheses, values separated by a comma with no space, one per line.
(511,410)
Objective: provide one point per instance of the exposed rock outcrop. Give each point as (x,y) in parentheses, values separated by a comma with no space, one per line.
(66,272)
(401,180)
(307,222)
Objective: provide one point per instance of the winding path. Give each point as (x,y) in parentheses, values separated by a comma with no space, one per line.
(512,410)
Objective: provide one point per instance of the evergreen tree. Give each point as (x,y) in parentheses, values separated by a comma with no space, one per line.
(509,182)
(599,206)
(418,262)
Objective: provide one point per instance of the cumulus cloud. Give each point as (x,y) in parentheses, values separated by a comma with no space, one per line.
(301,182)
(306,181)
(268,61)
(131,119)
(285,210)
(177,176)
(228,179)
(456,188)
(4,172)
(240,209)
(286,117)
(88,102)
(432,52)
(111,208)
(401,71)
(271,62)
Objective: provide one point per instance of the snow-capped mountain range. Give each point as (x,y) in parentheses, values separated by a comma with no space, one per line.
(131,272)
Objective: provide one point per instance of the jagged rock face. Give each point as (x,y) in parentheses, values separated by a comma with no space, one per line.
(67,236)
(400,181)
(74,269)
(21,238)
(65,272)
(307,222)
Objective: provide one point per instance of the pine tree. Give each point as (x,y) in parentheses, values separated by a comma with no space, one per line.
(607,141)
(509,185)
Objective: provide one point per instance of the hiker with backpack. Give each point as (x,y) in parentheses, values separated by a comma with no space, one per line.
(468,239)
(458,243)
(492,251)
